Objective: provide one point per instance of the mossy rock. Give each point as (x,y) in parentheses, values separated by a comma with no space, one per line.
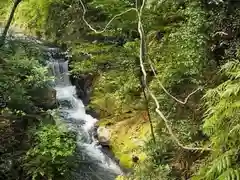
(127,137)
(44,98)
(125,160)
(107,122)
(120,178)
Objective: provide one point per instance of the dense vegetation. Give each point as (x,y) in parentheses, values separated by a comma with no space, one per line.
(190,50)
(32,146)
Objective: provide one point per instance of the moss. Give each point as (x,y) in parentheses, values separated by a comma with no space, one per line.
(105,122)
(125,160)
(128,136)
(121,178)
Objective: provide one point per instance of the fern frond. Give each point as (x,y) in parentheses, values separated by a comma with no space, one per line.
(222,124)
(230,174)
(231,89)
(232,69)
(234,130)
(219,165)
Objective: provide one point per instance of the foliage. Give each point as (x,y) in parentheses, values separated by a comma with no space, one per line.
(187,42)
(48,157)
(33,14)
(182,52)
(156,165)
(3,9)
(20,73)
(118,76)
(222,125)
(179,57)
(23,84)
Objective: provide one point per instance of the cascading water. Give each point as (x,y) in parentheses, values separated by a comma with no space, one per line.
(92,163)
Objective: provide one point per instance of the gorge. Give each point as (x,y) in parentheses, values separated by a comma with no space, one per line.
(156,82)
(93,163)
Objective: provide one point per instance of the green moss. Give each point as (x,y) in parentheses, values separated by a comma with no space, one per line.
(125,160)
(105,122)
(128,135)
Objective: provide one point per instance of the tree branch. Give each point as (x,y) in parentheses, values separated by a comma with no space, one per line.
(9,21)
(142,58)
(168,93)
(220,33)
(107,25)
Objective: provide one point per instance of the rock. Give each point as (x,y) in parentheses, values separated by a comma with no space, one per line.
(135,159)
(83,85)
(103,136)
(65,103)
(138,142)
(93,113)
(94,133)
(44,98)
(3,103)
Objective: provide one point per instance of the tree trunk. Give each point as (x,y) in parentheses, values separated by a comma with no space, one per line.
(143,84)
(149,116)
(6,28)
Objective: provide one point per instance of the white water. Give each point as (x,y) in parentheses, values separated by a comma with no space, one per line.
(93,163)
(17,34)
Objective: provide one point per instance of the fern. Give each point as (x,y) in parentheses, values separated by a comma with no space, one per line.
(222,124)
(230,174)
(220,164)
(223,102)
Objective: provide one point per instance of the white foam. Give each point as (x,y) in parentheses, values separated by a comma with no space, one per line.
(65,91)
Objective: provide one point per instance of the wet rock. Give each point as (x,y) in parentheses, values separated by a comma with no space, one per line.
(65,104)
(103,136)
(92,112)
(83,85)
(94,133)
(44,98)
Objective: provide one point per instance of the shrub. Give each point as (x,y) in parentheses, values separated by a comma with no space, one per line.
(49,156)
(20,73)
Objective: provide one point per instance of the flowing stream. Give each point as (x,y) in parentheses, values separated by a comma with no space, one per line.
(92,163)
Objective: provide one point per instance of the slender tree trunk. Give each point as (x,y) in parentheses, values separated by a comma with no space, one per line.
(143,57)
(143,84)
(7,26)
(149,116)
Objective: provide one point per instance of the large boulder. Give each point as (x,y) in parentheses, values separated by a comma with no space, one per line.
(45,98)
(83,83)
(103,136)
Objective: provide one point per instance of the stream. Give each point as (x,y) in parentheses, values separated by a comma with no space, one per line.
(92,163)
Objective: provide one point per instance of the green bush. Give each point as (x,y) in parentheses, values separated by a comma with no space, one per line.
(20,73)
(49,156)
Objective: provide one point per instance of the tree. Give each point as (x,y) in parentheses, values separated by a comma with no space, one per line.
(7,26)
(143,59)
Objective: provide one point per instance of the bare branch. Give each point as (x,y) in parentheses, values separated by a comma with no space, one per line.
(168,93)
(142,57)
(220,33)
(170,129)
(105,28)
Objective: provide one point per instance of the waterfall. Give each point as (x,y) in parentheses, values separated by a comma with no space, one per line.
(93,164)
